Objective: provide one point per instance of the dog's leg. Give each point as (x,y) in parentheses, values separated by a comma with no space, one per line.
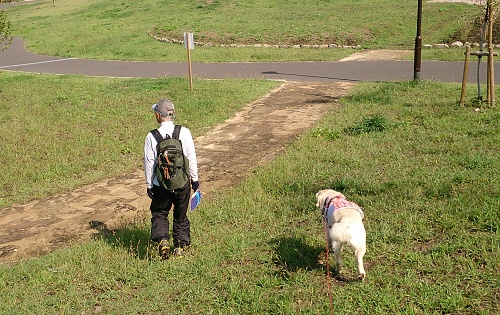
(337,252)
(360,252)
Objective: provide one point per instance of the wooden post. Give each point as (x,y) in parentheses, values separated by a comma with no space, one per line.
(188,45)
(466,73)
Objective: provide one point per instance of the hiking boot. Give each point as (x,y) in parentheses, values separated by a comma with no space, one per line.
(179,252)
(164,249)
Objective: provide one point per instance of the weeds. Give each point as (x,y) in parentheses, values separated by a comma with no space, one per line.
(369,124)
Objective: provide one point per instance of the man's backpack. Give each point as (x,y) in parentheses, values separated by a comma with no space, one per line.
(172,166)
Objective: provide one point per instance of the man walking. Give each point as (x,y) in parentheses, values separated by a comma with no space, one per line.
(162,199)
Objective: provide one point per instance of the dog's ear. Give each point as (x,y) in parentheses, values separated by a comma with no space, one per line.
(318,197)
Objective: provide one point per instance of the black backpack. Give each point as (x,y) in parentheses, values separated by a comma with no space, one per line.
(172,166)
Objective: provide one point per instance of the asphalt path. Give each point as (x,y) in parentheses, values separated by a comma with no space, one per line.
(16,58)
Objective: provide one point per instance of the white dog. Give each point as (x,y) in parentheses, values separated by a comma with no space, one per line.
(344,221)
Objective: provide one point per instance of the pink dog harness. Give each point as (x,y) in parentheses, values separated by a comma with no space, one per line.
(337,203)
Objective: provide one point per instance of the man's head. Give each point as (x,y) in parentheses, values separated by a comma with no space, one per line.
(164,109)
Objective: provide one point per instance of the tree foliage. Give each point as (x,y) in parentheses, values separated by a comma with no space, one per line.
(5,35)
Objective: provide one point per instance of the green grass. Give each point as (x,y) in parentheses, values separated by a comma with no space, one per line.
(102,29)
(424,170)
(61,132)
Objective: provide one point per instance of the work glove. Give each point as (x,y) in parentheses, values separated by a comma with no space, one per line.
(150,193)
(195,185)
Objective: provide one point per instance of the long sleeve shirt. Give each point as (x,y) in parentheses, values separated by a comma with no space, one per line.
(150,154)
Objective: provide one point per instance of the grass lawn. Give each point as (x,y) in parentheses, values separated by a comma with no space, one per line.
(424,170)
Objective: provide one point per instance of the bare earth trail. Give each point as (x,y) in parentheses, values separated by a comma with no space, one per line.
(274,121)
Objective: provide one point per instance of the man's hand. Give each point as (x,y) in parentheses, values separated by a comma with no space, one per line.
(195,185)
(150,193)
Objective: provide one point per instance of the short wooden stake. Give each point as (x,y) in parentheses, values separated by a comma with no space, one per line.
(188,42)
(466,73)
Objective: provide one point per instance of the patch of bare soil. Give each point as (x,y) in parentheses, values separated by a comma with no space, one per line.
(380,54)
(225,156)
(462,1)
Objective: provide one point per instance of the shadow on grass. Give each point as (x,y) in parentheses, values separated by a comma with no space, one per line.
(293,254)
(135,239)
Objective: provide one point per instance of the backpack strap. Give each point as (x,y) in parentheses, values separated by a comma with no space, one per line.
(158,138)
(157,135)
(177,132)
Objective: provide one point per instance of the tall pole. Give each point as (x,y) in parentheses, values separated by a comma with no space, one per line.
(418,44)
(490,71)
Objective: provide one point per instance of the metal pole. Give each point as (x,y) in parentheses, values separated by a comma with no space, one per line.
(418,44)
(490,72)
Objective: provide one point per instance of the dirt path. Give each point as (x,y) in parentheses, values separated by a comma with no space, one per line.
(42,226)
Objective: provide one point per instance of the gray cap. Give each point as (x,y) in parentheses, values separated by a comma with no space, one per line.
(163,107)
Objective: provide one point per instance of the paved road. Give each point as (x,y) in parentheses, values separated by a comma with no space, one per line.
(16,58)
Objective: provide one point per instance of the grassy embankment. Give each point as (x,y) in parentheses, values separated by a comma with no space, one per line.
(101,29)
